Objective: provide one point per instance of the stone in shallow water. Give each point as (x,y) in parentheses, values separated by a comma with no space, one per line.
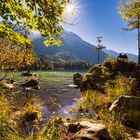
(7,86)
(32,83)
(77,79)
(73,86)
(86,130)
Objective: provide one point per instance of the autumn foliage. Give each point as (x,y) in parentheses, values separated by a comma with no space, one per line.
(14,57)
(45,16)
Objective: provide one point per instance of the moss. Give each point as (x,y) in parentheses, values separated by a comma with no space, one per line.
(97,76)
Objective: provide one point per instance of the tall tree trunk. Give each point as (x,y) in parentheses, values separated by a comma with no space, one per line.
(98,56)
(139,39)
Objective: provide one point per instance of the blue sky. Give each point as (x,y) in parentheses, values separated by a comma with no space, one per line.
(101,18)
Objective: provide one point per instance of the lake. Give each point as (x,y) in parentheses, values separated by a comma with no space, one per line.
(56,93)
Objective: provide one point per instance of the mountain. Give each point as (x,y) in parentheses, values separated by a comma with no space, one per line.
(74,48)
(115,54)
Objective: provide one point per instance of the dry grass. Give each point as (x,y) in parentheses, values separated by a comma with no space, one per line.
(122,85)
(8,128)
(98,103)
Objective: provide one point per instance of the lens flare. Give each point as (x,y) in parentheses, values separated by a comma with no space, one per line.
(70,8)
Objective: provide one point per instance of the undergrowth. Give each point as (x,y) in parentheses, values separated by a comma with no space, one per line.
(24,123)
(98,104)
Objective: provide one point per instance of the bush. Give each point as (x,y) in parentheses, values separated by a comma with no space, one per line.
(8,128)
(53,130)
(122,85)
(24,122)
(97,104)
(98,75)
(115,127)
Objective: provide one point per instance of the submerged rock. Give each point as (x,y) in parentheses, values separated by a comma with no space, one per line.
(86,130)
(77,79)
(73,86)
(32,83)
(28,73)
(129,109)
(6,85)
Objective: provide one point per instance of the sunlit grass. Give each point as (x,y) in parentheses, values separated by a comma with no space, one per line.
(98,104)
(122,85)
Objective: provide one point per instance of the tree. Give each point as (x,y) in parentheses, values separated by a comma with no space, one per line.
(130,12)
(45,16)
(14,57)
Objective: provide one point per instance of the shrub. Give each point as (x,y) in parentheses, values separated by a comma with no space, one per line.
(94,102)
(122,85)
(97,103)
(115,127)
(98,75)
(8,129)
(51,131)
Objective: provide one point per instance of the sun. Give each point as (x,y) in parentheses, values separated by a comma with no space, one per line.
(70,8)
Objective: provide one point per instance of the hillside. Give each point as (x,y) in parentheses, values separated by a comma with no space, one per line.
(73,49)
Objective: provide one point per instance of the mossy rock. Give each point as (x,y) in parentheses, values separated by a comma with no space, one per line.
(98,75)
(32,83)
(129,109)
(77,79)
(28,73)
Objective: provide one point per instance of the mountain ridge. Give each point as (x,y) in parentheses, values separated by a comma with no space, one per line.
(73,45)
(74,48)
(114,54)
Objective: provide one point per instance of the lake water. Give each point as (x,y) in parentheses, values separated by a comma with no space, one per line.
(56,94)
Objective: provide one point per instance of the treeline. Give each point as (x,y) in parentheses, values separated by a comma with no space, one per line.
(45,63)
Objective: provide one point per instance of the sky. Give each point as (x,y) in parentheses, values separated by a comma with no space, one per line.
(100,18)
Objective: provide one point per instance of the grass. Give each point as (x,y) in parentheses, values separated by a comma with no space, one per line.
(120,86)
(95,101)
(25,125)
(8,128)
(24,122)
(98,103)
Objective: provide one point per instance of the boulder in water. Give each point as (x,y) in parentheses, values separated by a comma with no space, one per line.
(32,83)
(6,85)
(28,73)
(77,79)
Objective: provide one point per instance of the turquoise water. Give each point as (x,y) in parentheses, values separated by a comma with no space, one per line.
(44,75)
(54,85)
(56,74)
